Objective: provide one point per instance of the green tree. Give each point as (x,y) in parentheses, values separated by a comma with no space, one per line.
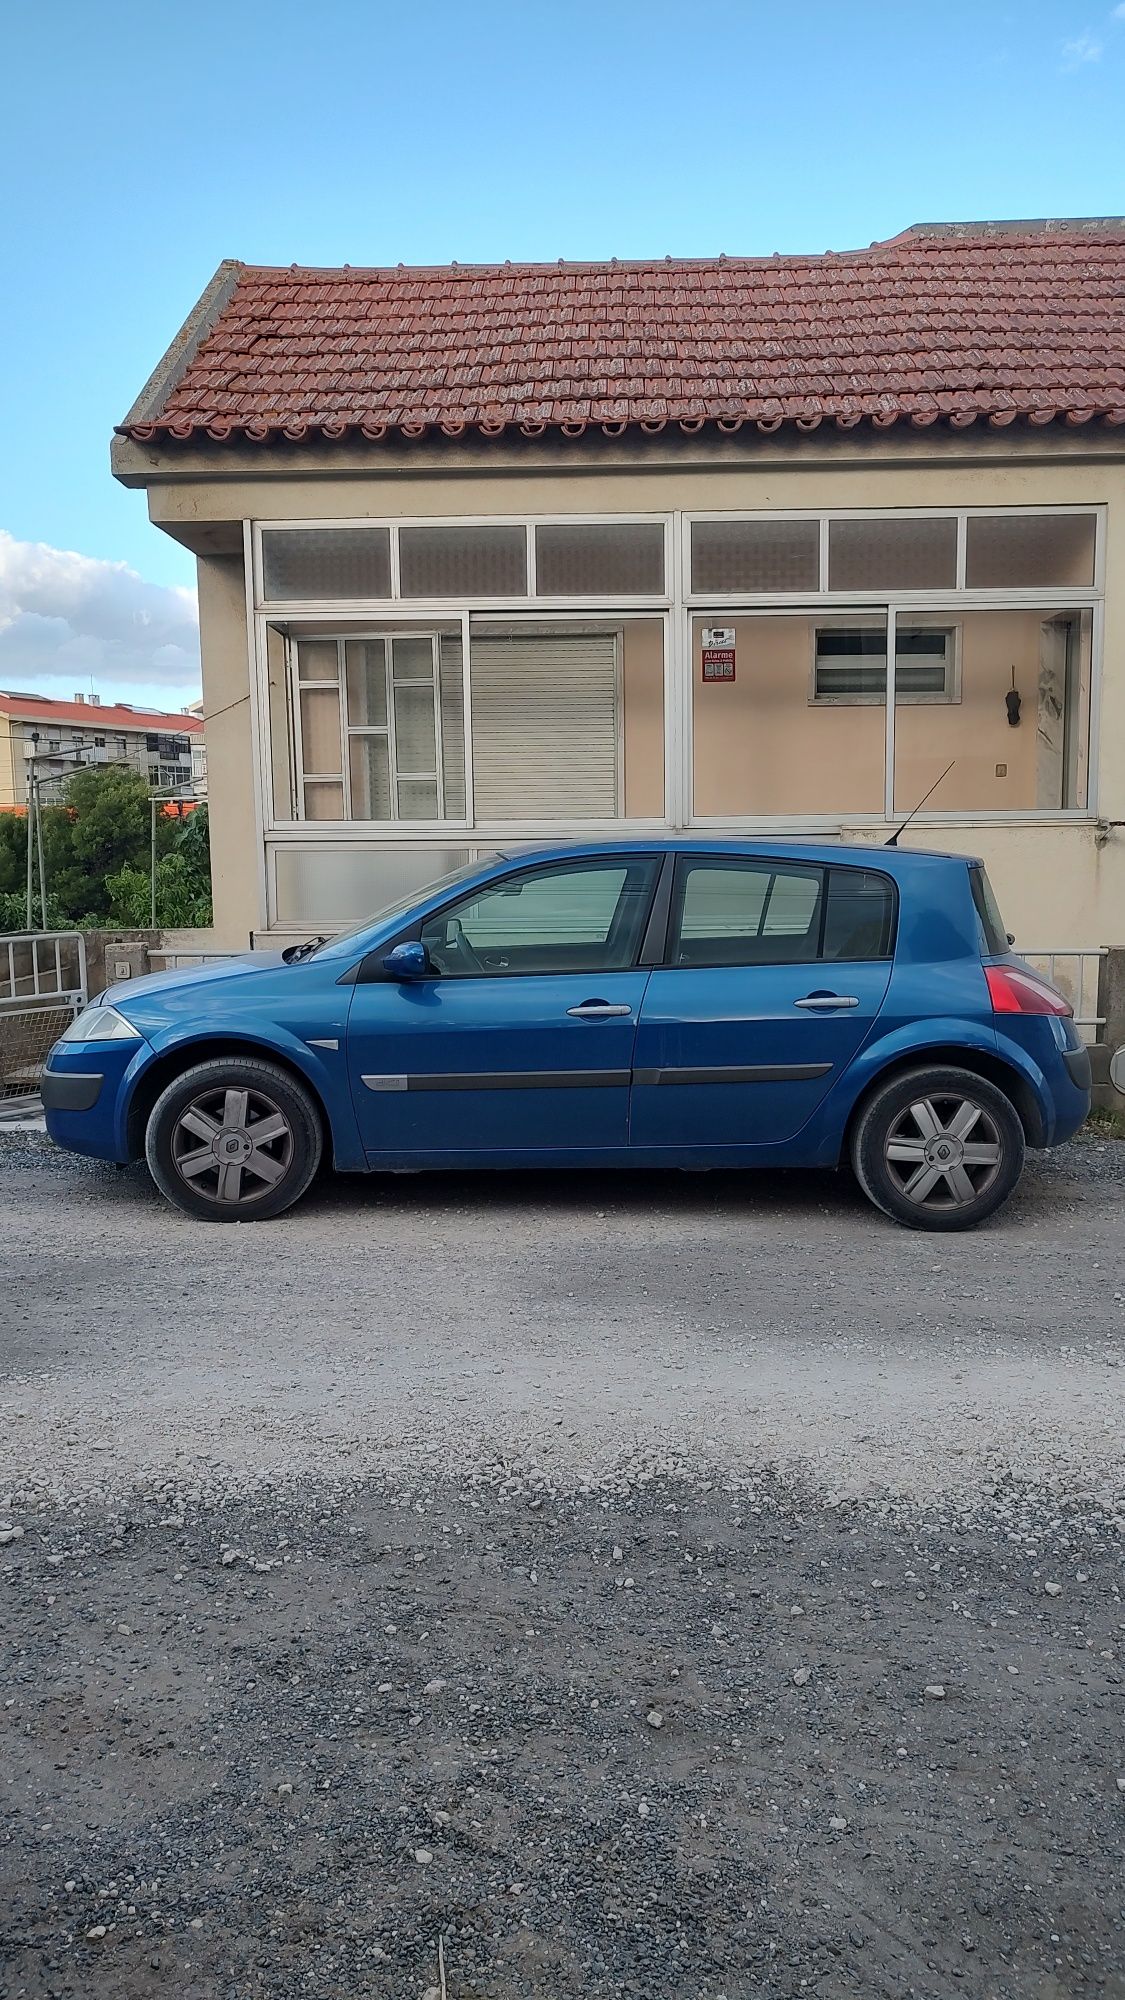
(97,854)
(181,902)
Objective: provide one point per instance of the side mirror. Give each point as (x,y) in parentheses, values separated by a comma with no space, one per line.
(407,961)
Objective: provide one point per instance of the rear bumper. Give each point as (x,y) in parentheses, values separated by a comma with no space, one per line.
(1079,1068)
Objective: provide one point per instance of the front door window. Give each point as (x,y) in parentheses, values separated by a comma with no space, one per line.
(560,919)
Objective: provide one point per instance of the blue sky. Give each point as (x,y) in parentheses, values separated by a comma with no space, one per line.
(145,142)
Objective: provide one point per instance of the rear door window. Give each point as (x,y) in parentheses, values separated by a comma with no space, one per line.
(729,912)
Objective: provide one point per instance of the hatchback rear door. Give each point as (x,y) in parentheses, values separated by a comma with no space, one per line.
(774,974)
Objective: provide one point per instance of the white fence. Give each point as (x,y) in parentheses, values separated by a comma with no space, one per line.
(42,988)
(1075,973)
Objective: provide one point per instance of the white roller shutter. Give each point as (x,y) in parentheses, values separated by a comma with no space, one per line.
(544,727)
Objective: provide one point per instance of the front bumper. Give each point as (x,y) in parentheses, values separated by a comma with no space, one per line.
(85,1089)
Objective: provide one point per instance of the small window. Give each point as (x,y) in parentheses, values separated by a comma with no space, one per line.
(859,921)
(314,564)
(745,913)
(462,562)
(152,743)
(600,559)
(850,664)
(99,742)
(557,919)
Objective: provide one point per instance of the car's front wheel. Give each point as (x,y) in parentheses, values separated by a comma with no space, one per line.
(233,1140)
(938,1148)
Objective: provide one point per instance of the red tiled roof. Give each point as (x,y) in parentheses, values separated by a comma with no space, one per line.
(998,323)
(97,716)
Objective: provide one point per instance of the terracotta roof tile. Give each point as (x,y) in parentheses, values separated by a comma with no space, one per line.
(953,324)
(97,716)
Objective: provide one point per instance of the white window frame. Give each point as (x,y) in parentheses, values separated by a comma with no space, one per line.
(386,730)
(1007,594)
(676,607)
(951,691)
(412,607)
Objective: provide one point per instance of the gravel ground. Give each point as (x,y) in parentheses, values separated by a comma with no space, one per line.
(629,1585)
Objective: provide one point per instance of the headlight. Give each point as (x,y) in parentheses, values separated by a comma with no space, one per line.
(101,1024)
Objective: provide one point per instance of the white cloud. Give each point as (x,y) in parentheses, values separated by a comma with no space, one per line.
(1085,48)
(67,619)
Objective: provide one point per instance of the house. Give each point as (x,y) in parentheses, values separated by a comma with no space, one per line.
(490,554)
(64,735)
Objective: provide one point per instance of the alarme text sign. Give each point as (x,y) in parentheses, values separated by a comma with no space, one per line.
(718,652)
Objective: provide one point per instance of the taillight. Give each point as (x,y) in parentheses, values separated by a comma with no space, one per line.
(1014,991)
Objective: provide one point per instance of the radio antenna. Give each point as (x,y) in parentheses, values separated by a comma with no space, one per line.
(893,841)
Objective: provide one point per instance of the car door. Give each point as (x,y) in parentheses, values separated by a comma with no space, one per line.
(773,974)
(518,1040)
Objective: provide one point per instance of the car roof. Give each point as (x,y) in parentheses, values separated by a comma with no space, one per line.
(896,861)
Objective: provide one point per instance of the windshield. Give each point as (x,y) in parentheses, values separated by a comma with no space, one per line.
(403,904)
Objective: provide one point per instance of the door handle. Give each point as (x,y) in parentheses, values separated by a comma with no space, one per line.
(596,1010)
(828,1000)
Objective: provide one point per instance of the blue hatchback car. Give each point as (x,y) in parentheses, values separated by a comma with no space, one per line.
(649,1003)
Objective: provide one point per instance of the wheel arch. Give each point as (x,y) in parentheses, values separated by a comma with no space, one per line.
(955,1055)
(171,1063)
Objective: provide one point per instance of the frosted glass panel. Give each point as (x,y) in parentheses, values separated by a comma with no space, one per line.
(462,562)
(1018,550)
(417,799)
(320,731)
(892,554)
(413,659)
(367,683)
(755,555)
(326,563)
(592,559)
(324,886)
(369,764)
(415,748)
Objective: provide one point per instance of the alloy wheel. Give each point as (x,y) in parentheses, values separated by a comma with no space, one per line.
(943,1152)
(232,1145)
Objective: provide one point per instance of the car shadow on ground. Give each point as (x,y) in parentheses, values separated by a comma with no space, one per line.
(776,1194)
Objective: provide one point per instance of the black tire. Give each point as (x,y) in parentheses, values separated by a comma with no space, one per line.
(208,1153)
(957,1177)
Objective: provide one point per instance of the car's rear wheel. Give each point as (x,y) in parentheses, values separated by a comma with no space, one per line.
(233,1140)
(938,1148)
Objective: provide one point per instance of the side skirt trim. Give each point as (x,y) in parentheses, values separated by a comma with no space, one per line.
(754,1073)
(516,1079)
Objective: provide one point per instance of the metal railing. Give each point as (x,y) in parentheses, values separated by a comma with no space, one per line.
(1076,972)
(43,965)
(42,988)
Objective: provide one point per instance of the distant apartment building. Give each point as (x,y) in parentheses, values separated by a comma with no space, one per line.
(65,735)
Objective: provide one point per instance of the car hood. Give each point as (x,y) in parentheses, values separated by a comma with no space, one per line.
(152,984)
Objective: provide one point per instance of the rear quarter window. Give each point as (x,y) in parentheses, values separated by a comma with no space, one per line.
(859,921)
(993,930)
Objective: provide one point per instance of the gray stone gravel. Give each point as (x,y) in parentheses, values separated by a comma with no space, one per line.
(385,1532)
